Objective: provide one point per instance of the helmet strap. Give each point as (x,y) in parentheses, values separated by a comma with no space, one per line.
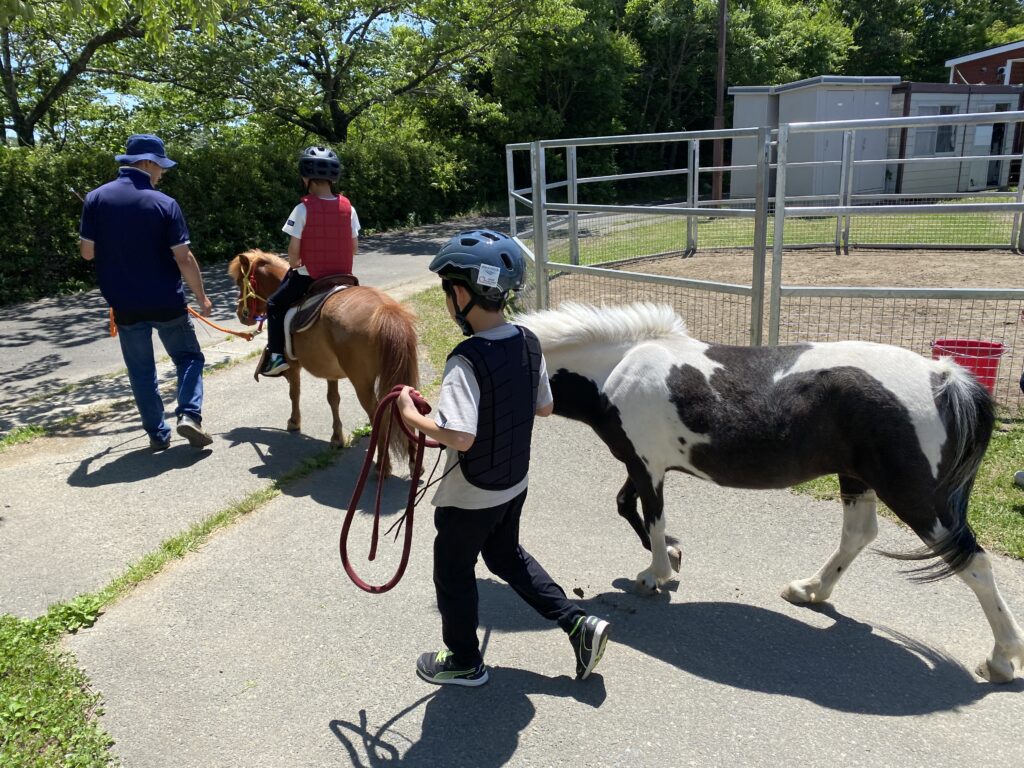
(460,312)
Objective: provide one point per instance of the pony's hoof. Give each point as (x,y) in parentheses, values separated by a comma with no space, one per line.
(294,426)
(996,670)
(337,443)
(805,591)
(645,584)
(675,558)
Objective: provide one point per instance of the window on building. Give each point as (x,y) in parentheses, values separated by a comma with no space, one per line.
(938,140)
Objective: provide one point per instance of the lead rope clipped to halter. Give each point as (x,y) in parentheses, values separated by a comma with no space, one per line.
(240,334)
(390,400)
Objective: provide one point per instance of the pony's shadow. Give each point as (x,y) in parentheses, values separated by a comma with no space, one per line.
(278,450)
(475,729)
(133,466)
(850,666)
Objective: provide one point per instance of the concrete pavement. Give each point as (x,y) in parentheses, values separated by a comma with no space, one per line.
(257,651)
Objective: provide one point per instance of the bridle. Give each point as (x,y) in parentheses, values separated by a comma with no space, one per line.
(250,297)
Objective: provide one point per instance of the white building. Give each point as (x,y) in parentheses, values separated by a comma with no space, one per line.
(852,98)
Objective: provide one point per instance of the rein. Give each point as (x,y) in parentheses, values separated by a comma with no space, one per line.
(241,334)
(390,400)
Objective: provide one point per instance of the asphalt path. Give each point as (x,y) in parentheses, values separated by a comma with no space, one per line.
(255,650)
(47,345)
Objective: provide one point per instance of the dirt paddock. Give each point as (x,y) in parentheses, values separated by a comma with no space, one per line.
(911,323)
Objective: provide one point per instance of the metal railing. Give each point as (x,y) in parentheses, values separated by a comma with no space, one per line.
(565,235)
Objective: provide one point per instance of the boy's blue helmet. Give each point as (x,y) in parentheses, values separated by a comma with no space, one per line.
(319,163)
(488,263)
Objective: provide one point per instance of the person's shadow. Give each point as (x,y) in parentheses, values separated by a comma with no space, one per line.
(475,729)
(133,464)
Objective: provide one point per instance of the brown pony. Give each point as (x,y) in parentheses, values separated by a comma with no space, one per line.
(362,334)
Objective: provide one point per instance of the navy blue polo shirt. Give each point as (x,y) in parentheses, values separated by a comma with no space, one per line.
(133,228)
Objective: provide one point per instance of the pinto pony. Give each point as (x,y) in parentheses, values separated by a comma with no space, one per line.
(890,423)
(362,334)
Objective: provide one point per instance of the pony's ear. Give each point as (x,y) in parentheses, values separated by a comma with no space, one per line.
(243,261)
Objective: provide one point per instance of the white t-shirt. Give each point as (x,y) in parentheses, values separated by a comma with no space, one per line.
(297,222)
(458,408)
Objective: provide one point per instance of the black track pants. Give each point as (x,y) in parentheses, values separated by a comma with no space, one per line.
(462,535)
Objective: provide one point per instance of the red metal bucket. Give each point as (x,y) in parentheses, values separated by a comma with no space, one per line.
(979,357)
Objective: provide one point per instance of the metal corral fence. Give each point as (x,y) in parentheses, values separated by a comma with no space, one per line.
(848,259)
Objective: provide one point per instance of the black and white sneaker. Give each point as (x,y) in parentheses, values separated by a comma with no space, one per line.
(440,669)
(192,431)
(588,638)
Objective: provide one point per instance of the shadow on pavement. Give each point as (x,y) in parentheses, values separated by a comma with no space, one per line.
(279,450)
(475,729)
(849,666)
(135,465)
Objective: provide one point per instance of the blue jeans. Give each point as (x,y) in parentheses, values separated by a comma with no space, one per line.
(179,339)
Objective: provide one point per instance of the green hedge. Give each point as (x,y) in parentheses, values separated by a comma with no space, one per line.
(233,197)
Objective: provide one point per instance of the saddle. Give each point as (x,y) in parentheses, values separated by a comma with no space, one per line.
(307,311)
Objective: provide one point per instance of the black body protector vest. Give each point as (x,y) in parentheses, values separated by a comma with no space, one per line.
(508,372)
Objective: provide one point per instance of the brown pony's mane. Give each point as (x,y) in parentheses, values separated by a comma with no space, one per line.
(255,255)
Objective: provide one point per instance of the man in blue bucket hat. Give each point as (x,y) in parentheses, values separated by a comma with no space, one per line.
(139,242)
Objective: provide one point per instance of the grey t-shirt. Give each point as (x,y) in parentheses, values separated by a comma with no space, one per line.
(458,408)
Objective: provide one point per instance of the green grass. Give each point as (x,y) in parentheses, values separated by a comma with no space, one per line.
(20,435)
(438,334)
(637,238)
(997,505)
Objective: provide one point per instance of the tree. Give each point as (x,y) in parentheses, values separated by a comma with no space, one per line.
(570,79)
(320,67)
(161,16)
(43,60)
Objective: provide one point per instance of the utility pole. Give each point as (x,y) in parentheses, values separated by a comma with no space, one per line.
(719,155)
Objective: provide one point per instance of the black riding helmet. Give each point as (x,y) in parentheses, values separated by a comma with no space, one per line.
(319,163)
(488,263)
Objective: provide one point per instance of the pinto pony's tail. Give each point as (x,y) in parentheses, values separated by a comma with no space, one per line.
(394,328)
(969,416)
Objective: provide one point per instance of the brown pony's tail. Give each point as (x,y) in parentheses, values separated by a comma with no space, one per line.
(394,328)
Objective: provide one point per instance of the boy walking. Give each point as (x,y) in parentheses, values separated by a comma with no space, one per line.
(494,383)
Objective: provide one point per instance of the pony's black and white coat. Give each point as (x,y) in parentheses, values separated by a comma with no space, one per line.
(890,423)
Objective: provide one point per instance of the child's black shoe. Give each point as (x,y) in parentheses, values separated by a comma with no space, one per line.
(440,669)
(588,638)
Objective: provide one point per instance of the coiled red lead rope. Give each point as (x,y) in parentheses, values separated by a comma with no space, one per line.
(390,400)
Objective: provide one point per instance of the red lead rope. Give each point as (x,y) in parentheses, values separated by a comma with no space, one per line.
(390,400)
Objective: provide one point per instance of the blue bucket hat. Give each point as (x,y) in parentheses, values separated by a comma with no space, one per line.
(145,146)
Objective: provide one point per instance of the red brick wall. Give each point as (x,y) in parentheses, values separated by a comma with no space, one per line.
(984,70)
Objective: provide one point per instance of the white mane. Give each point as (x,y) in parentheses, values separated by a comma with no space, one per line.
(575,323)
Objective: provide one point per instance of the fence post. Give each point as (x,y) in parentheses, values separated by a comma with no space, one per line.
(1017,231)
(510,175)
(574,231)
(540,230)
(761,191)
(775,306)
(849,191)
(692,193)
(844,170)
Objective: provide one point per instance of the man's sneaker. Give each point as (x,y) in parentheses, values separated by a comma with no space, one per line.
(588,638)
(156,444)
(191,431)
(275,365)
(440,669)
